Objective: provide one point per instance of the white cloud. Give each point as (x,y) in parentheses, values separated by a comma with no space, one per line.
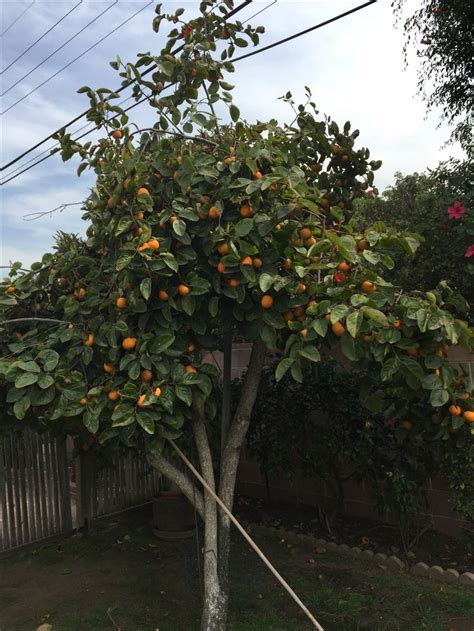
(354,68)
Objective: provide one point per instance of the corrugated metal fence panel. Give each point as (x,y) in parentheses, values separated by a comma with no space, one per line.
(35,500)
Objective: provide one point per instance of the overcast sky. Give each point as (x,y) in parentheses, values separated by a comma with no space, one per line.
(354,68)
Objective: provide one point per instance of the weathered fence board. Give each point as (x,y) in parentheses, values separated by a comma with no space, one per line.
(35,501)
(128,481)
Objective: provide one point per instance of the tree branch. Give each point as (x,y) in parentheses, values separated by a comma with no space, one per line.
(53,320)
(180,479)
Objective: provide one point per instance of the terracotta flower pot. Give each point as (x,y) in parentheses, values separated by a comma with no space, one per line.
(173,516)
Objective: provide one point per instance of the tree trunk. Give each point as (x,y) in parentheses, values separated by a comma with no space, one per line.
(231,455)
(216,550)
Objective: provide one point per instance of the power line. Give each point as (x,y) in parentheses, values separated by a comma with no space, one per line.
(76,58)
(128,83)
(256,52)
(60,48)
(42,36)
(17,18)
(305,32)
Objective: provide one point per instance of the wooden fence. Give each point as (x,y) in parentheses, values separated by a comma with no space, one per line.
(34,488)
(102,490)
(38,500)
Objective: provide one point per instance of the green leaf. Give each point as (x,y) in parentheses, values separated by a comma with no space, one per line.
(26,379)
(145,288)
(179,227)
(185,394)
(170,261)
(44,381)
(234,112)
(244,227)
(348,347)
(320,326)
(283,366)
(296,371)
(123,261)
(91,422)
(439,397)
(21,407)
(213,306)
(265,281)
(49,359)
(311,353)
(353,322)
(431,382)
(338,313)
(146,422)
(375,315)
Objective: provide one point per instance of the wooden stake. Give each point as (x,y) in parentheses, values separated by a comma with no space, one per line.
(244,533)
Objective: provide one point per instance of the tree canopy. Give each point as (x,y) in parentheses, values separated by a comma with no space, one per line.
(204,225)
(442,32)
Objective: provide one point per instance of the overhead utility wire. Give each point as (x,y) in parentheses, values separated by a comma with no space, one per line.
(286,39)
(17,18)
(76,58)
(47,151)
(263,49)
(59,48)
(42,36)
(79,116)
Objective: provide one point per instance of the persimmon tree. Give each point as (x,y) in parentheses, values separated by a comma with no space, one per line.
(199,230)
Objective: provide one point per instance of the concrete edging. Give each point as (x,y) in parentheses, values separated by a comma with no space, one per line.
(392,562)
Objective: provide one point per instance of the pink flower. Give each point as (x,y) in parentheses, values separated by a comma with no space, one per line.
(456,211)
(470,251)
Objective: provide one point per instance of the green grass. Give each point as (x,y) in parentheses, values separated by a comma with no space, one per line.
(147,584)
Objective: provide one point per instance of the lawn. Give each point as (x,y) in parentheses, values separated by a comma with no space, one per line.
(122,574)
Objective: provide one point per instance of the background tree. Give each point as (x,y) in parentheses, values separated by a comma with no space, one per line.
(438,205)
(443,35)
(195,229)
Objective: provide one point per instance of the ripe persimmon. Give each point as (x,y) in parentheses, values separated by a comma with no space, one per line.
(338,329)
(142,191)
(223,249)
(157,392)
(246,211)
(221,268)
(89,341)
(368,287)
(163,295)
(343,267)
(11,289)
(233,282)
(247,260)
(114,395)
(129,343)
(147,376)
(154,244)
(469,416)
(108,368)
(397,324)
(183,290)
(257,262)
(266,301)
(190,348)
(190,369)
(214,212)
(117,134)
(80,293)
(305,233)
(301,288)
(258,175)
(121,303)
(455,410)
(141,400)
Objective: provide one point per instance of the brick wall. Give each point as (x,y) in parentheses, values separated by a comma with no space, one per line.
(359,501)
